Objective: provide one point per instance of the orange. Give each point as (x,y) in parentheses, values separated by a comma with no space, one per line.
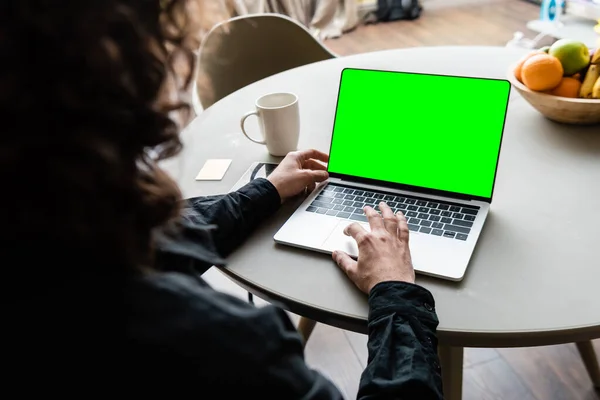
(519,65)
(542,72)
(568,87)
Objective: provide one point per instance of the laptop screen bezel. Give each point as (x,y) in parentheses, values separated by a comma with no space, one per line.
(418,189)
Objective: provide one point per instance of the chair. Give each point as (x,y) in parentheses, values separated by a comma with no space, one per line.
(243,50)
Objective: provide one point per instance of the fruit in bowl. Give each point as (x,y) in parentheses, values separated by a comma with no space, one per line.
(562,82)
(573,55)
(557,70)
(542,72)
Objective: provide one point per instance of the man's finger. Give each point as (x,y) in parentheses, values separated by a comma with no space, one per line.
(375,220)
(354,230)
(315,176)
(313,153)
(314,165)
(311,187)
(389,219)
(403,232)
(345,262)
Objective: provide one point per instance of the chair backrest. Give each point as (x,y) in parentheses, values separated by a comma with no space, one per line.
(243,50)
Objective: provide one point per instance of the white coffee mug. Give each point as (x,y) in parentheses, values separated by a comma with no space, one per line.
(279,121)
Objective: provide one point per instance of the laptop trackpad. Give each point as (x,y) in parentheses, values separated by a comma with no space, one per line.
(337,240)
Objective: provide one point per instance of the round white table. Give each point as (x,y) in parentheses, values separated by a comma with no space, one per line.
(534,278)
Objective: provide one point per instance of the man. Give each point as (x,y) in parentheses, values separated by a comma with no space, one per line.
(102,262)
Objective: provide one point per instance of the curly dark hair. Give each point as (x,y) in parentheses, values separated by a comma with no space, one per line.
(85,123)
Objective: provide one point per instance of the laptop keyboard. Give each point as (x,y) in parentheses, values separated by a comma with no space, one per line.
(449,220)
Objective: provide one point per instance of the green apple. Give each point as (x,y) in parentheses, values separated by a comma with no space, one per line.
(573,55)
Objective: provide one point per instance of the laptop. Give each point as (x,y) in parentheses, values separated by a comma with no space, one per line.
(427,145)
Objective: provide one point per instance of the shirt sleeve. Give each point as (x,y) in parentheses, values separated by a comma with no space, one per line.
(235,215)
(403,361)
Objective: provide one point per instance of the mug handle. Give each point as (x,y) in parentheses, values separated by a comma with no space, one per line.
(244,130)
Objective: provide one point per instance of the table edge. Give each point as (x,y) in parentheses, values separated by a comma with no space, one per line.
(455,338)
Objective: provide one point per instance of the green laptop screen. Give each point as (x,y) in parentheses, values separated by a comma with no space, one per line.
(431,131)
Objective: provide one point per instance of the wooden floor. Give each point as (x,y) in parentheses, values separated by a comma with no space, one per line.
(482,22)
(543,373)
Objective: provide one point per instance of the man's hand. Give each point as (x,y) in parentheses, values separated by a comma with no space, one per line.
(298,171)
(383,253)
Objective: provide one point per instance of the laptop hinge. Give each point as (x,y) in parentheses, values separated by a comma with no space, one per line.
(415,189)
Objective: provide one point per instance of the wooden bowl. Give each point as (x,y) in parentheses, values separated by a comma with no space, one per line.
(560,109)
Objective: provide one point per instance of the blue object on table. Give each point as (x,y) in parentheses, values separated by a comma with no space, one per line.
(550,9)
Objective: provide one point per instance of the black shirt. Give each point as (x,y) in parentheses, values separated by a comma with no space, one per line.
(183,334)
